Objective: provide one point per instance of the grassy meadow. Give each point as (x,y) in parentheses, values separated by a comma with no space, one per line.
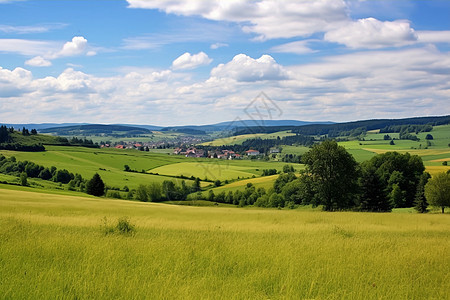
(55,246)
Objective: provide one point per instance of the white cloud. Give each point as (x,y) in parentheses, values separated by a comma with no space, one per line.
(38,61)
(360,85)
(218,45)
(30,29)
(191,61)
(245,68)
(268,19)
(371,33)
(434,36)
(27,47)
(75,47)
(46,49)
(298,47)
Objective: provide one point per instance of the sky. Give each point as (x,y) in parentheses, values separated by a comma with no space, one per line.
(179,62)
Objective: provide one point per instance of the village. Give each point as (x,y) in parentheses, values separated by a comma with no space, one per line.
(220,154)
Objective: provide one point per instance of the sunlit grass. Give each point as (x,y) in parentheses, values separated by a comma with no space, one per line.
(53,246)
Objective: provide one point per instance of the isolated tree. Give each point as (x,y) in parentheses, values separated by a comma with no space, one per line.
(126,168)
(334,175)
(429,137)
(95,186)
(437,190)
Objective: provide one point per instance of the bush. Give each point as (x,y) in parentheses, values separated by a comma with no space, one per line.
(122,227)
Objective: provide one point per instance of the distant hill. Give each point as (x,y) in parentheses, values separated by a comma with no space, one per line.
(93,129)
(40,126)
(231,125)
(322,129)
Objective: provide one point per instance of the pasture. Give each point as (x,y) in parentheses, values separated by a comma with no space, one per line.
(55,246)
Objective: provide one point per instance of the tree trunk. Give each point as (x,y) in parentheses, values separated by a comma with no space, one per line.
(443,207)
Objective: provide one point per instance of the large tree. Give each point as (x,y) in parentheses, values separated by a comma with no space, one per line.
(334,175)
(437,190)
(95,186)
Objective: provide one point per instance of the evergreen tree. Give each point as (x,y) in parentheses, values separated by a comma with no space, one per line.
(373,196)
(420,200)
(95,186)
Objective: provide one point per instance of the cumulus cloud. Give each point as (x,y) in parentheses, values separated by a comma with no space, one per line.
(371,33)
(38,61)
(75,47)
(191,61)
(370,84)
(245,68)
(272,19)
(268,19)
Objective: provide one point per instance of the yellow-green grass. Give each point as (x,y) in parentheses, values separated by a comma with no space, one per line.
(109,163)
(298,150)
(214,169)
(265,182)
(53,246)
(239,139)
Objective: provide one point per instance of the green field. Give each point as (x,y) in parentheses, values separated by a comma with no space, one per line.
(54,246)
(214,169)
(239,139)
(109,163)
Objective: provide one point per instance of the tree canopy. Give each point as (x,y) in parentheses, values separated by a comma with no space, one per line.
(334,175)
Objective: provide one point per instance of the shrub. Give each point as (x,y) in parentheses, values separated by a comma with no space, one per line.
(122,227)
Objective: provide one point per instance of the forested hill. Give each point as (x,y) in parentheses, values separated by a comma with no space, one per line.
(95,129)
(322,129)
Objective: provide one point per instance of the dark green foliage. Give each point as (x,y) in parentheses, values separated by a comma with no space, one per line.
(63,176)
(211,196)
(391,143)
(334,175)
(282,180)
(420,201)
(429,137)
(404,170)
(23,179)
(95,186)
(217,183)
(4,135)
(372,192)
(288,169)
(299,191)
(268,172)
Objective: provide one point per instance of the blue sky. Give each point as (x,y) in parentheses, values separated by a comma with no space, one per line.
(197,62)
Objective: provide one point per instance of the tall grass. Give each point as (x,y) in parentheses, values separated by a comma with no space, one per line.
(53,246)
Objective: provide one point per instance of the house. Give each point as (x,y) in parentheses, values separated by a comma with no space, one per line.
(274,150)
(252,152)
(119,147)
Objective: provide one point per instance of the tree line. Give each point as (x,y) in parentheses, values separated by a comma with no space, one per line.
(333,178)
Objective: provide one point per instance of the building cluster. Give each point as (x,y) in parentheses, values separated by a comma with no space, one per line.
(220,154)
